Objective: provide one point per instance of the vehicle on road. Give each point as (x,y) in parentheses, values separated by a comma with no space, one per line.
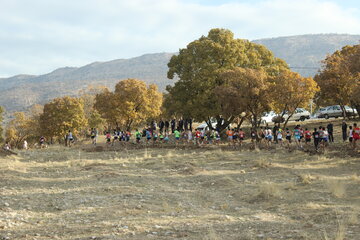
(300,114)
(335,111)
(268,117)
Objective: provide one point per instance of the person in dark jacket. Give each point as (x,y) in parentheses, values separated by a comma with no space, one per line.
(330,129)
(344,130)
(161,125)
(167,125)
(181,125)
(173,125)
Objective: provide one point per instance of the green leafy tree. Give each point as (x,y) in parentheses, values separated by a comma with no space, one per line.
(61,115)
(199,66)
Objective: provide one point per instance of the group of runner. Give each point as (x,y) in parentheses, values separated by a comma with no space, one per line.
(264,136)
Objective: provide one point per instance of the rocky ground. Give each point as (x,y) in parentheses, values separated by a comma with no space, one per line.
(205,193)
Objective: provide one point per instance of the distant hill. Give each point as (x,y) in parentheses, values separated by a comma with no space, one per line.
(19,92)
(304,53)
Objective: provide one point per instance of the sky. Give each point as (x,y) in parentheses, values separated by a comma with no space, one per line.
(38,36)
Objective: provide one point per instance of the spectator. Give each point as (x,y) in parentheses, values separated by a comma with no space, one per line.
(344,130)
(330,129)
(173,124)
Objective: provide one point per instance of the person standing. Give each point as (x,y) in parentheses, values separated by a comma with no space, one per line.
(344,130)
(25,145)
(161,125)
(190,124)
(181,125)
(173,124)
(274,131)
(330,130)
(167,125)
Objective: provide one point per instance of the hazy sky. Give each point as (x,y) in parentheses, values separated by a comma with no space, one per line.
(38,36)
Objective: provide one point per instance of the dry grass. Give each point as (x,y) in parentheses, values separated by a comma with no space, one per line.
(268,190)
(337,188)
(177,194)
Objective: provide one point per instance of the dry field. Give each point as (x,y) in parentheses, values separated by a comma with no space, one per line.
(203,193)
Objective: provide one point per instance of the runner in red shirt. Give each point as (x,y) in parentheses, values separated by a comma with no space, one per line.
(356,135)
(307,136)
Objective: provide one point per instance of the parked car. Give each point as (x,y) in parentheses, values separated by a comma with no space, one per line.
(268,117)
(300,114)
(335,111)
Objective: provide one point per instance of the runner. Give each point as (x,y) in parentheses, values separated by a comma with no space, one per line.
(25,145)
(127,136)
(138,136)
(197,136)
(316,137)
(148,135)
(268,136)
(115,137)
(351,136)
(177,136)
(307,136)
(241,137)
(166,137)
(279,136)
(70,138)
(230,134)
(42,142)
(189,135)
(288,137)
(217,137)
(108,138)
(356,135)
(93,135)
(155,137)
(297,136)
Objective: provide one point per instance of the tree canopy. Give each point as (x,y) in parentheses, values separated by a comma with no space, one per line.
(339,78)
(132,103)
(199,66)
(291,91)
(61,115)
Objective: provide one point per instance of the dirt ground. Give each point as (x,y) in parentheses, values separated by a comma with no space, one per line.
(186,193)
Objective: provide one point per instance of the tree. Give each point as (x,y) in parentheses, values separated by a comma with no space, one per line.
(61,115)
(339,77)
(291,91)
(1,127)
(18,129)
(245,90)
(88,96)
(132,103)
(199,66)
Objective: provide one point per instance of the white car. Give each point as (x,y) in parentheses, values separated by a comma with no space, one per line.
(204,125)
(268,117)
(300,114)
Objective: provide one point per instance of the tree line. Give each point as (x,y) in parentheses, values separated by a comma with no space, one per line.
(218,77)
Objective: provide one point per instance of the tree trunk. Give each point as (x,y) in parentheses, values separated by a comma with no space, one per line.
(242,119)
(343,111)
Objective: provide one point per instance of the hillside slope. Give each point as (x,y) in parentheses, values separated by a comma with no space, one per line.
(303,53)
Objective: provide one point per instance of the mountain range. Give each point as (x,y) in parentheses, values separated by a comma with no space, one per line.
(303,53)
